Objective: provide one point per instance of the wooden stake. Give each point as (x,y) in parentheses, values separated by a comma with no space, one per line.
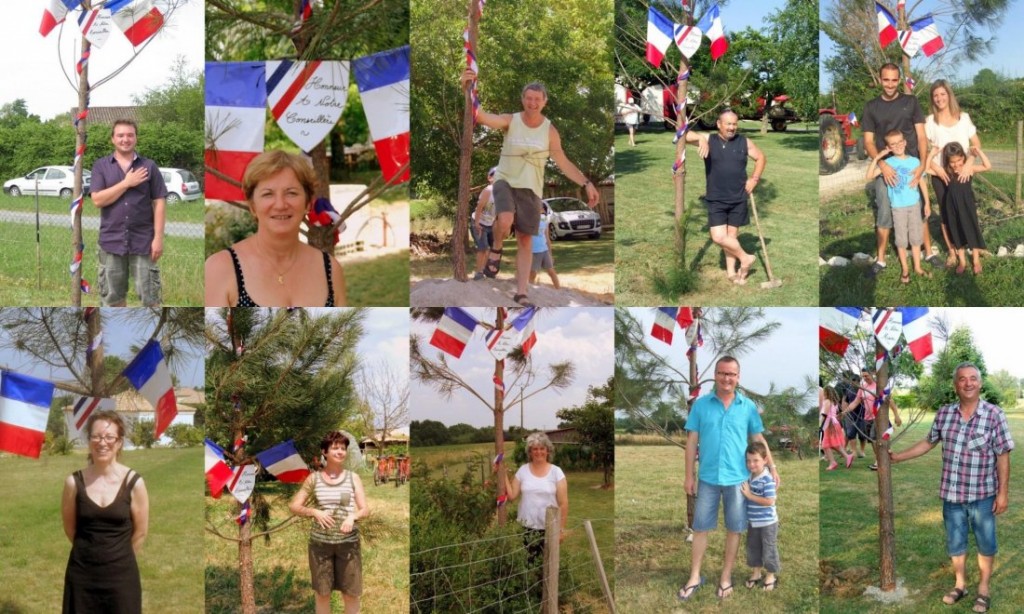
(596,554)
(551,558)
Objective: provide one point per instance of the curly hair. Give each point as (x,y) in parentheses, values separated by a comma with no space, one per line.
(538,439)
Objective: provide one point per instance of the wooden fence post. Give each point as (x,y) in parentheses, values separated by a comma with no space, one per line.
(1020,159)
(551,552)
(594,552)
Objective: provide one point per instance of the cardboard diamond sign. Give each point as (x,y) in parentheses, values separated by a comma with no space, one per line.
(307,98)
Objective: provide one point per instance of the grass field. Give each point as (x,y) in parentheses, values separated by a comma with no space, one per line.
(35,550)
(849,500)
(652,555)
(587,501)
(787,198)
(191,211)
(282,568)
(381,282)
(847,226)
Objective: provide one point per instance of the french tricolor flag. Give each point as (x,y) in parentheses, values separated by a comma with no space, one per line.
(666,319)
(82,409)
(383,80)
(24,408)
(139,21)
(284,462)
(148,373)
(659,36)
(916,331)
(711,24)
(236,100)
(886,25)
(925,36)
(453,331)
(835,326)
(217,471)
(54,13)
(524,324)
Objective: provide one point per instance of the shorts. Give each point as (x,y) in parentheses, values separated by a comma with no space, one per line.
(542,261)
(763,548)
(114,271)
(855,428)
(907,226)
(962,518)
(336,567)
(705,518)
(883,210)
(523,203)
(727,214)
(483,239)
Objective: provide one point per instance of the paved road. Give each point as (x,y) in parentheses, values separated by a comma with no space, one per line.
(171,229)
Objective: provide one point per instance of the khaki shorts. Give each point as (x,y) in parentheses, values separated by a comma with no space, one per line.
(522,202)
(336,567)
(115,271)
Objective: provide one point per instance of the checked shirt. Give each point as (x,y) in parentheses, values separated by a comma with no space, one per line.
(969,451)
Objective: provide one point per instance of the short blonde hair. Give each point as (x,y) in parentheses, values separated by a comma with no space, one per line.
(270,163)
(536,440)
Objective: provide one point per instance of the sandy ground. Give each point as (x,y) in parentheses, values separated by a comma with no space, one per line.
(498,293)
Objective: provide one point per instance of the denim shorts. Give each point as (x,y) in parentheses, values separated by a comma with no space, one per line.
(705,518)
(483,239)
(962,518)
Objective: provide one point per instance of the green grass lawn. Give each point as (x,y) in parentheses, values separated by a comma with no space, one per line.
(35,550)
(381,282)
(653,557)
(847,226)
(849,503)
(191,211)
(282,568)
(786,198)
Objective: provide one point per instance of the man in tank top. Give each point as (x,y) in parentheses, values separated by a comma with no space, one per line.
(530,139)
(725,156)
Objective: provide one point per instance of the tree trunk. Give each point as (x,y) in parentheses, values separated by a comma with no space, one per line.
(76,220)
(901,20)
(679,175)
(499,423)
(245,569)
(886,513)
(691,500)
(322,237)
(465,168)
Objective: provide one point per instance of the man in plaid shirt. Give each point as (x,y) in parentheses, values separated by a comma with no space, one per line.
(974,485)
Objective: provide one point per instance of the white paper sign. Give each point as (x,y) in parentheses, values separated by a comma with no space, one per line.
(307,98)
(888,326)
(243,482)
(688,39)
(97,25)
(507,340)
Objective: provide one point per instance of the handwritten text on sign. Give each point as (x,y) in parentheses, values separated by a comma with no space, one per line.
(307,98)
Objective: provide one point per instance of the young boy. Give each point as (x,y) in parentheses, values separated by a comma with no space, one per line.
(908,225)
(482,227)
(542,258)
(763,532)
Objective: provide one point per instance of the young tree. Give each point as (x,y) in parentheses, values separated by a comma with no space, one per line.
(386,394)
(594,421)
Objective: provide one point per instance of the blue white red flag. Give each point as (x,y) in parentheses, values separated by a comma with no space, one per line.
(835,326)
(886,25)
(82,409)
(383,80)
(236,101)
(284,462)
(306,98)
(853,119)
(923,35)
(524,324)
(666,319)
(453,331)
(24,408)
(54,13)
(711,25)
(218,473)
(139,22)
(306,10)
(916,331)
(148,373)
(498,384)
(115,5)
(660,32)
(243,516)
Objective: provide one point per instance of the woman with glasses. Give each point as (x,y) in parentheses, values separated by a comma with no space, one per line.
(105,509)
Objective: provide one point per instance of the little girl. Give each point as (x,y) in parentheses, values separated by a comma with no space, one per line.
(833,436)
(964,229)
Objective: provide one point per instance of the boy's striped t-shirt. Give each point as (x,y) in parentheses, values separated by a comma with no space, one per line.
(762,486)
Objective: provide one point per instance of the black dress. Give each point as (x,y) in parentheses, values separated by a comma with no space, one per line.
(102,575)
(962,214)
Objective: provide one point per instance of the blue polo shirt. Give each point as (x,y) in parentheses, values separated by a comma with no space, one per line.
(723,437)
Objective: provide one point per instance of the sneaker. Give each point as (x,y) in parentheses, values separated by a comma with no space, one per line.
(875,269)
(873,466)
(478,276)
(936,262)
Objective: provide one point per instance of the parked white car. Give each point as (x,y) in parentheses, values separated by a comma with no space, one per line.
(181,185)
(571,217)
(52,181)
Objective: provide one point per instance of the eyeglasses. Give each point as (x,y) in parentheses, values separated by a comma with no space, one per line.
(726,374)
(107,439)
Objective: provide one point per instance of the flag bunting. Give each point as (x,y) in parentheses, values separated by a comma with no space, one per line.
(24,409)
(284,463)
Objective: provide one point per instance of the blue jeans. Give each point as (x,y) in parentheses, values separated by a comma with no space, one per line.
(962,518)
(705,517)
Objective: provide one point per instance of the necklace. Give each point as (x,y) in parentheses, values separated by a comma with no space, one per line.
(280,273)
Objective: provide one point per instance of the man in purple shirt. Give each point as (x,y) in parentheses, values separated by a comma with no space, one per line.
(974,485)
(130,193)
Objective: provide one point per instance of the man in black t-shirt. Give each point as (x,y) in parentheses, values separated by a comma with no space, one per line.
(892,110)
(725,156)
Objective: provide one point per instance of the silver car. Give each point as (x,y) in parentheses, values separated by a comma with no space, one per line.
(571,217)
(51,181)
(181,185)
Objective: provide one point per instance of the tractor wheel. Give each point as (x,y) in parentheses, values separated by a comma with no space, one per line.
(831,150)
(779,125)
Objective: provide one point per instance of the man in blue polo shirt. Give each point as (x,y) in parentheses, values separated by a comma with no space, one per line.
(722,423)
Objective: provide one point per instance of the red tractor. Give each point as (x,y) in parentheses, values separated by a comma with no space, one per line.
(836,141)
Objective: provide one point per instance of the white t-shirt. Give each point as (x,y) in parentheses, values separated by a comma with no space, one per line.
(939,135)
(536,495)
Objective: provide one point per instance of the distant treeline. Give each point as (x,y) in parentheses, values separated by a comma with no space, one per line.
(434,433)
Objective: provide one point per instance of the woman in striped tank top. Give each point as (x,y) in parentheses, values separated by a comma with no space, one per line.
(334,498)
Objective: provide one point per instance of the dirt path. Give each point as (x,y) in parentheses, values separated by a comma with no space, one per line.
(498,293)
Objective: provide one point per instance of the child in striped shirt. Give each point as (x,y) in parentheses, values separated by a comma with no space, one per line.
(763,521)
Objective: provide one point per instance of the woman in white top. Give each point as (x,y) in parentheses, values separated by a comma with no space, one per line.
(541,485)
(947,124)
(631,116)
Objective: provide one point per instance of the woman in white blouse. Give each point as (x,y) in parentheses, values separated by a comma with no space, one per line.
(541,485)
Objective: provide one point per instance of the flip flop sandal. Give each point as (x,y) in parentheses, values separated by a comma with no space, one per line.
(752,582)
(904,279)
(522,300)
(493,264)
(984,602)
(771,586)
(721,591)
(687,592)
(956,595)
